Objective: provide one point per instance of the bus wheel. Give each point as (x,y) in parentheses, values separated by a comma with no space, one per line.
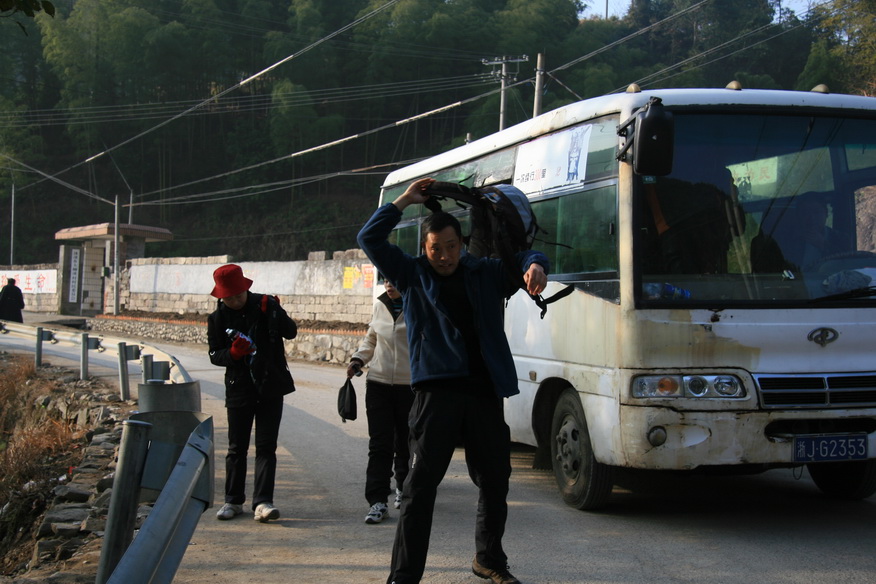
(583,482)
(845,480)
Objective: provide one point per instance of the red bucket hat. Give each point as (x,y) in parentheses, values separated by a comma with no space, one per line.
(229,281)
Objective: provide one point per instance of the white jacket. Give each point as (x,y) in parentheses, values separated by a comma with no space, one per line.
(385,347)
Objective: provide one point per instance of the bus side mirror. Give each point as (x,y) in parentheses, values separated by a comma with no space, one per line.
(650,135)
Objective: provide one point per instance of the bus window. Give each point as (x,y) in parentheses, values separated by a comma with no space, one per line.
(407,238)
(585,222)
(762,209)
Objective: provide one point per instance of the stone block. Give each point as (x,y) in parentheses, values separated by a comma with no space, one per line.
(69,513)
(66,529)
(93,524)
(106,482)
(72,493)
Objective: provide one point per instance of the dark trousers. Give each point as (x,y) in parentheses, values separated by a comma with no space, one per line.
(438,420)
(267,415)
(387,407)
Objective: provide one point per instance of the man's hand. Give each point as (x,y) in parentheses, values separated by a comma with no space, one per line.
(413,195)
(535,279)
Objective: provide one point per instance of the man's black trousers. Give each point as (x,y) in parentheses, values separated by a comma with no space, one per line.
(438,421)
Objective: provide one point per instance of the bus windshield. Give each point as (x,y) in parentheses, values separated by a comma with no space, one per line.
(761,210)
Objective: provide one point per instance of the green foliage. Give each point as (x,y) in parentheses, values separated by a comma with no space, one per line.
(28,7)
(852,26)
(821,67)
(132,76)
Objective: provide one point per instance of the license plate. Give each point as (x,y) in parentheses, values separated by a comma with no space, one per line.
(822,448)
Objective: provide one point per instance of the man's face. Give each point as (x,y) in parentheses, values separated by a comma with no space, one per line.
(442,250)
(235,302)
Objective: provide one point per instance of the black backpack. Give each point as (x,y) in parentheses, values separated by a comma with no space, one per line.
(502,225)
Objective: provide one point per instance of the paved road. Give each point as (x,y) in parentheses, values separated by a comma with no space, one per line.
(770,528)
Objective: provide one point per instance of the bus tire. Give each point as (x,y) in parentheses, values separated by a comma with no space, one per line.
(851,480)
(584,483)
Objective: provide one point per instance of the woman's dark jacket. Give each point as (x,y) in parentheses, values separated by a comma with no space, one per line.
(11,303)
(265,374)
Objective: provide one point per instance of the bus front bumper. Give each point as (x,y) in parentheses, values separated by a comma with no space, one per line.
(662,438)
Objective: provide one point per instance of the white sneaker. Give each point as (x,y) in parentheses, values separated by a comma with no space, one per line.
(265,512)
(228,511)
(377,513)
(397,502)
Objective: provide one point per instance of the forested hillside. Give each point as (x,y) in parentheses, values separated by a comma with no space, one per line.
(263,128)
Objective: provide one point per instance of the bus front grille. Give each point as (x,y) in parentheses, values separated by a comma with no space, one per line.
(817,391)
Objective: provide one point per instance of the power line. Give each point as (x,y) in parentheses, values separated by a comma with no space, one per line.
(629,37)
(259,102)
(420,116)
(59,181)
(656,76)
(237,85)
(413,118)
(275,234)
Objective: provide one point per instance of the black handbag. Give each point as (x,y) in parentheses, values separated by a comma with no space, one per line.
(347,401)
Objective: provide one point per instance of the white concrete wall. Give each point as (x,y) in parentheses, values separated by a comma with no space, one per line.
(38,283)
(337,290)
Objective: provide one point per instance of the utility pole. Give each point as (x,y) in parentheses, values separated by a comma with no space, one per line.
(116,239)
(504,76)
(12,227)
(539,85)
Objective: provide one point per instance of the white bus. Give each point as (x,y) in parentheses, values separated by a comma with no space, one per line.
(721,248)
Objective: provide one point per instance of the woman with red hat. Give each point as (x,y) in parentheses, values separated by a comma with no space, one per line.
(245,335)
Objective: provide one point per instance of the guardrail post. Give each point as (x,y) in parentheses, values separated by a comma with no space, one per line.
(41,336)
(124,389)
(146,366)
(122,516)
(126,354)
(38,352)
(83,357)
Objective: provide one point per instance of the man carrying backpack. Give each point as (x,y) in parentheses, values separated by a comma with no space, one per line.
(461,368)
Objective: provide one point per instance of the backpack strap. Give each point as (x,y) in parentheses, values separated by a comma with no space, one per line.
(542,302)
(269,306)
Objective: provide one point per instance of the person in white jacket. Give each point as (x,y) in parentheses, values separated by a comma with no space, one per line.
(388,399)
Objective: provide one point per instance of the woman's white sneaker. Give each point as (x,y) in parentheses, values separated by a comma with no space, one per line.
(377,513)
(228,511)
(265,512)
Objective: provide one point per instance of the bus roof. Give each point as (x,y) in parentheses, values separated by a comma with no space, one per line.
(625,103)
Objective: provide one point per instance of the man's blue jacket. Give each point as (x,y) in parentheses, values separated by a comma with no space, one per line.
(437,349)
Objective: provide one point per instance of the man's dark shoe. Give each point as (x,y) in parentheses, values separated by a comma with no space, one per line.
(501,576)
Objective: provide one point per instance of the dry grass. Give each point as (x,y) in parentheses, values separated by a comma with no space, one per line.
(36,448)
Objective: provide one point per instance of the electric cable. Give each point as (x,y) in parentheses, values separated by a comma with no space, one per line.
(238,85)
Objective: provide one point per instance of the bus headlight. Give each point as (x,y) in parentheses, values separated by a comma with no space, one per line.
(728,386)
(692,386)
(657,386)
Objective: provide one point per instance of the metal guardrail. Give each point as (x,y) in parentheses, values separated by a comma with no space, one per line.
(155,363)
(150,460)
(157,551)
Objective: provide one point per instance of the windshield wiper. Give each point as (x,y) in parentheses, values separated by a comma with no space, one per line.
(863,292)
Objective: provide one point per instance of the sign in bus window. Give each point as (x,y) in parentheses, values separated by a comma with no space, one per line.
(553,161)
